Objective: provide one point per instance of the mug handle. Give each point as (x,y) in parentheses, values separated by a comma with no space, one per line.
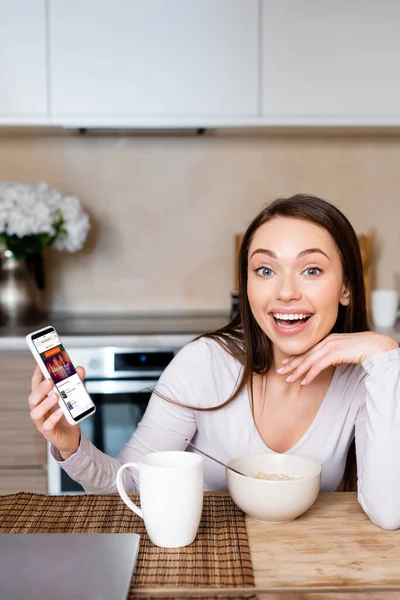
(122,491)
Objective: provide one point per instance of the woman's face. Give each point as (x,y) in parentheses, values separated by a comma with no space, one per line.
(295,283)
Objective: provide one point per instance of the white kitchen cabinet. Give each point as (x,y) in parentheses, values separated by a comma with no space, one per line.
(23,64)
(331,62)
(154,62)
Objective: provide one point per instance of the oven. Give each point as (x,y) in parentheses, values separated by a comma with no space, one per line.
(120,382)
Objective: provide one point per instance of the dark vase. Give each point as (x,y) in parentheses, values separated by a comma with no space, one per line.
(19,294)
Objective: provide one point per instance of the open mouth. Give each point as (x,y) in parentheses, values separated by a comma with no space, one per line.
(292,320)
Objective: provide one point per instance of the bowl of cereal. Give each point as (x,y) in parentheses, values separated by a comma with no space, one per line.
(275,488)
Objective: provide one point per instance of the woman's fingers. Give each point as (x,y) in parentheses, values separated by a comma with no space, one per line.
(37,378)
(53,419)
(41,386)
(39,412)
(313,361)
(323,364)
(299,362)
(292,362)
(315,365)
(296,361)
(81,372)
(40,392)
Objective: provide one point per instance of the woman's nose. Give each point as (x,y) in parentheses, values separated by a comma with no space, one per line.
(288,289)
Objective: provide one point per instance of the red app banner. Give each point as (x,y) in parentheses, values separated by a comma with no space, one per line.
(58,364)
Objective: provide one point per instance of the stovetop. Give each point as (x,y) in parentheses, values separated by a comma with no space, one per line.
(125,324)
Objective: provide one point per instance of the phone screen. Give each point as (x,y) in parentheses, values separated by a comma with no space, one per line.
(62,372)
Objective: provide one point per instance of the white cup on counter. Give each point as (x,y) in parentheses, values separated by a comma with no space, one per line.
(171,496)
(384,308)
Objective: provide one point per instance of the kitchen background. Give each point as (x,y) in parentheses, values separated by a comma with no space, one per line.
(165,208)
(174,122)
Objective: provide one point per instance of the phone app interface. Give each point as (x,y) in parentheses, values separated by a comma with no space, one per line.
(63,373)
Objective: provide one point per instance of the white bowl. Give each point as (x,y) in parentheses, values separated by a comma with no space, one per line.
(274,501)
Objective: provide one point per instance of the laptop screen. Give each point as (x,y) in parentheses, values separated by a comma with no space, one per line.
(67,566)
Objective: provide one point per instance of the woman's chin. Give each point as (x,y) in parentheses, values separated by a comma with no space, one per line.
(296,346)
(293,348)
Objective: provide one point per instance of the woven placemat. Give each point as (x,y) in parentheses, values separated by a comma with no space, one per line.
(218,558)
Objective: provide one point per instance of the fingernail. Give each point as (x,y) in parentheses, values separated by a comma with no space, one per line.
(54,396)
(304,381)
(289,378)
(285,360)
(280,370)
(49,382)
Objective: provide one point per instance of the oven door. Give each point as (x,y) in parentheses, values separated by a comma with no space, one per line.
(120,405)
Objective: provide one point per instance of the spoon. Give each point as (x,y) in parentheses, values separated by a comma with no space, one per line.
(215,459)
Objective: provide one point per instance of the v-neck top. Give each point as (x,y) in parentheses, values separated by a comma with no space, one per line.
(362,401)
(319,415)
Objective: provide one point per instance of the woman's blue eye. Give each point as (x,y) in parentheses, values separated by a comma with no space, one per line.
(312,271)
(264,271)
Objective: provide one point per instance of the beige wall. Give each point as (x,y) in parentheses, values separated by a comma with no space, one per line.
(165,208)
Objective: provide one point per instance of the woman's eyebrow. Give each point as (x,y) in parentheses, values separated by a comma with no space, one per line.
(312,251)
(300,254)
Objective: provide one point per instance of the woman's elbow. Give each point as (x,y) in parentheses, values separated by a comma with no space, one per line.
(385,517)
(387,522)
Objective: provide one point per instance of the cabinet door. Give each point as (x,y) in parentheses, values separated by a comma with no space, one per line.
(23,80)
(154,61)
(331,62)
(23,480)
(21,445)
(16,371)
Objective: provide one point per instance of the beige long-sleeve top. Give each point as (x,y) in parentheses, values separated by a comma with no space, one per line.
(362,401)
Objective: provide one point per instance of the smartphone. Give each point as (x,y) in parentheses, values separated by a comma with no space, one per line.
(53,360)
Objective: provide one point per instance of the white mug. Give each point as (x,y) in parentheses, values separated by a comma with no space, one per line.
(384,308)
(171,496)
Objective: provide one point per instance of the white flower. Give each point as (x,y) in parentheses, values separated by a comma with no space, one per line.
(75,225)
(35,209)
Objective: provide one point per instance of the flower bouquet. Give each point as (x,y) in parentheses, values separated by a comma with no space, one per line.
(33,216)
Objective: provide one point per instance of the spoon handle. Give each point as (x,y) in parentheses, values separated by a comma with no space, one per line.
(212,458)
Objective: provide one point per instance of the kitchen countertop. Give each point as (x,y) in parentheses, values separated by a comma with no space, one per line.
(161,330)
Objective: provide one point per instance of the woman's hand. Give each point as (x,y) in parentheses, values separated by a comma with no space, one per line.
(49,418)
(336,349)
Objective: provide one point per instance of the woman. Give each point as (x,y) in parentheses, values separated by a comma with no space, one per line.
(297,371)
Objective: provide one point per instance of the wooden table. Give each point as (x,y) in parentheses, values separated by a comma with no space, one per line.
(333,551)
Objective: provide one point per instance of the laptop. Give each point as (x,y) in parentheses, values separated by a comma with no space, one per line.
(67,566)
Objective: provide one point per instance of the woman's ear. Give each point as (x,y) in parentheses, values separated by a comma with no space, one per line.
(344,299)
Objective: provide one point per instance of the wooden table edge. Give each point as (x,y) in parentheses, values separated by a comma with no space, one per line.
(251,591)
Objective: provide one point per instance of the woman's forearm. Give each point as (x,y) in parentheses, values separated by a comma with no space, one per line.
(95,471)
(378,441)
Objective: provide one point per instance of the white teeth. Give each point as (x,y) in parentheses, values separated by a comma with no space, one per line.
(291,317)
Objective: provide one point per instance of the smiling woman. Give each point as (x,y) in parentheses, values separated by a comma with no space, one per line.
(296,372)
